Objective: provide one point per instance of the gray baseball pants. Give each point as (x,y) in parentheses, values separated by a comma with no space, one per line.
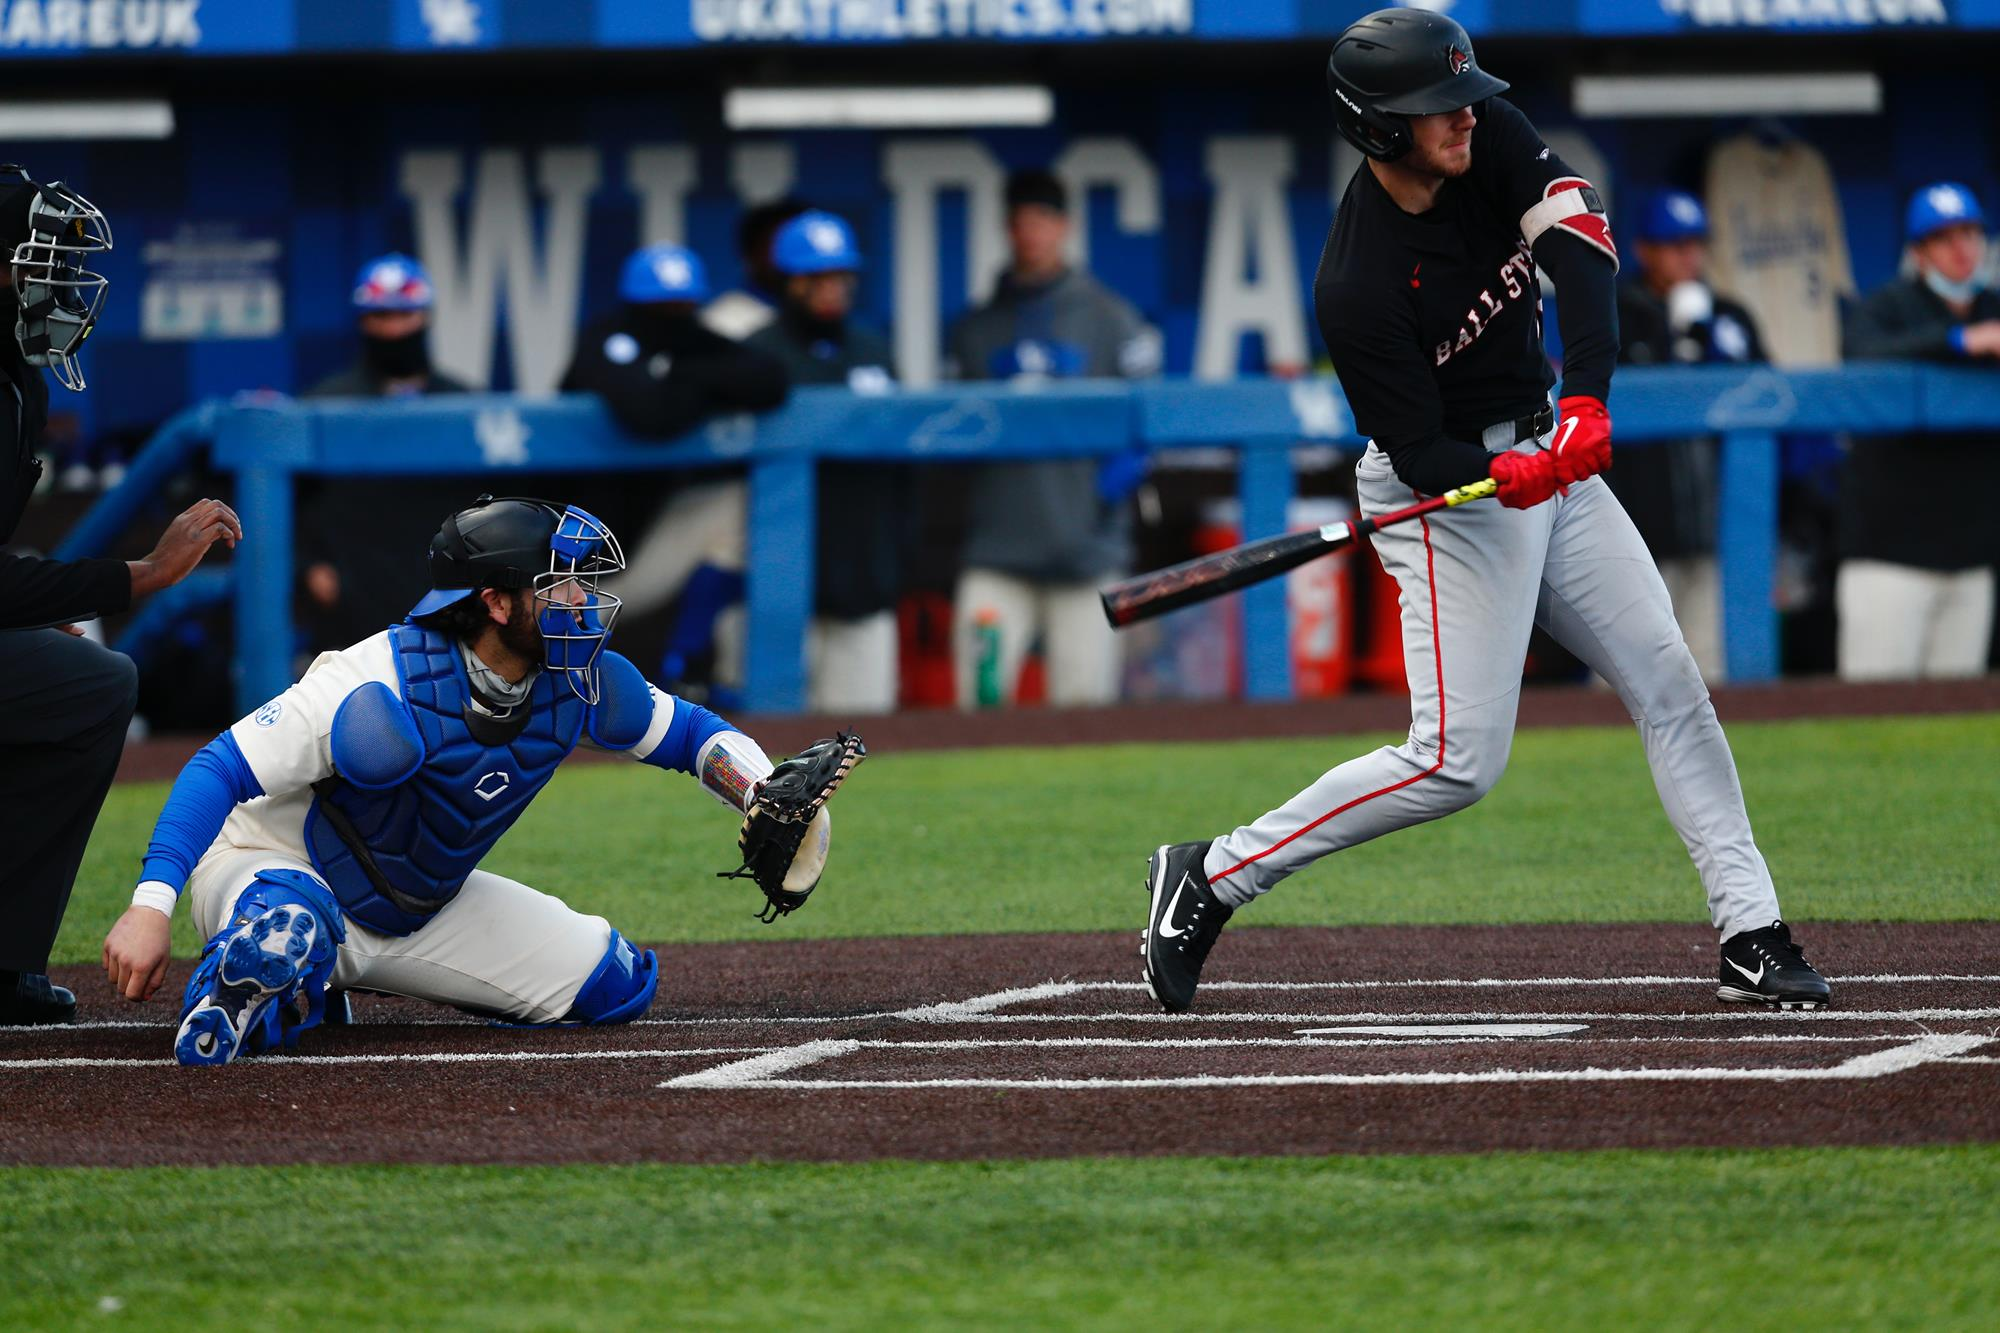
(1475,581)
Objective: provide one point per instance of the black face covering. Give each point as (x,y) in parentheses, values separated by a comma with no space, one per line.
(809,328)
(660,323)
(398,358)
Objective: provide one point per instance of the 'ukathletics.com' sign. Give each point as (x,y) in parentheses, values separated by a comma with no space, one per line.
(893,20)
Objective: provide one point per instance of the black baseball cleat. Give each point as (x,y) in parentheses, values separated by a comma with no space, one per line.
(27,999)
(1186,917)
(1765,967)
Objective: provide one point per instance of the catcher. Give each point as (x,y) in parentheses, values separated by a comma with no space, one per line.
(331,840)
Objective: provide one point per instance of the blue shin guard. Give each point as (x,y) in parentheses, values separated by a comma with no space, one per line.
(279,944)
(620,990)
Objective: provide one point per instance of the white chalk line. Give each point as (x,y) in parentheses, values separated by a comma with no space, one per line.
(814,1051)
(1876,1064)
(950,1011)
(973,1044)
(385,1058)
(1415,983)
(758,1070)
(946,1011)
(1739,1014)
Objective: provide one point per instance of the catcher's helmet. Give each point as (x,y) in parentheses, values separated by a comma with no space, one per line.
(52,230)
(1397,63)
(559,552)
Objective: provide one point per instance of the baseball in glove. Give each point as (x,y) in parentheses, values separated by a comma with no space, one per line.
(786,830)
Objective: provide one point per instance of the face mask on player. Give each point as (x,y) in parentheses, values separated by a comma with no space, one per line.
(574,614)
(1958,293)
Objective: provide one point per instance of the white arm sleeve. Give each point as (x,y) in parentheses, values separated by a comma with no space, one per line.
(731,766)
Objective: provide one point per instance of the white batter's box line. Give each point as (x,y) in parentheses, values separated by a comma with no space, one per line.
(1875,1064)
(381,1058)
(1502,983)
(954,1011)
(1314,1043)
(467,1024)
(758,1070)
(958,1010)
(965,1044)
(1740,1014)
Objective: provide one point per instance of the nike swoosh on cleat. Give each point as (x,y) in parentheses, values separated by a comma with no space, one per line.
(1756,978)
(1166,927)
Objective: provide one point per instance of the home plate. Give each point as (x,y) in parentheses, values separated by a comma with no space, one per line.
(1448,1030)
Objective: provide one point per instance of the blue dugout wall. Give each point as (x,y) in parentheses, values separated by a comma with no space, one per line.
(268,446)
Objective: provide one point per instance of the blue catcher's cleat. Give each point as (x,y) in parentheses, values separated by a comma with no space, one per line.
(247,977)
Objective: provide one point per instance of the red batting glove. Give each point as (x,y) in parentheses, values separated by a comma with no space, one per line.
(1582,446)
(1525,479)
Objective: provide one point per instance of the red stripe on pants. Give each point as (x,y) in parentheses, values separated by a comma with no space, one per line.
(1437,655)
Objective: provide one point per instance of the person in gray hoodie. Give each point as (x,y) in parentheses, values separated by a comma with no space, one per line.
(1040,537)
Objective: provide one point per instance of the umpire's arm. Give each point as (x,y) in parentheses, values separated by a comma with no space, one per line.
(35,592)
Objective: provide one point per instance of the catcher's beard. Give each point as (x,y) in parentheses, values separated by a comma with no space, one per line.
(521,636)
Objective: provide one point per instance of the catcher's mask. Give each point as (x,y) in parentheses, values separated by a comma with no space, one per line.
(560,552)
(59,298)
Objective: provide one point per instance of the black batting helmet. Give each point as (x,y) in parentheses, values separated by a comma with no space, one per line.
(1397,63)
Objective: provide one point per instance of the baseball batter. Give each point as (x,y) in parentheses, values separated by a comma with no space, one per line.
(331,840)
(1428,299)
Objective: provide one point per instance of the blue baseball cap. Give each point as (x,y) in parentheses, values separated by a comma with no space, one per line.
(393,282)
(815,242)
(664,273)
(1673,215)
(1939,205)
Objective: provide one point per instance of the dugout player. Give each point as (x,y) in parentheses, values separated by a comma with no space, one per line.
(333,837)
(864,508)
(64,700)
(1428,301)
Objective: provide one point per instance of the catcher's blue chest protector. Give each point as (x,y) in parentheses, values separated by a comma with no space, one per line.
(423,788)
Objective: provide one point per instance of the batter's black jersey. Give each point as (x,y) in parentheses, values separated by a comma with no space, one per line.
(1434,319)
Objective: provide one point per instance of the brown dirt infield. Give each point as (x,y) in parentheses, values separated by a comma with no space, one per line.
(1045,1045)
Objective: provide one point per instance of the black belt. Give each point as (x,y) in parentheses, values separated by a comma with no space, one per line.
(1502,435)
(1536,426)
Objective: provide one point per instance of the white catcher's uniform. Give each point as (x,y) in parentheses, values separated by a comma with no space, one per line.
(1474,581)
(498,946)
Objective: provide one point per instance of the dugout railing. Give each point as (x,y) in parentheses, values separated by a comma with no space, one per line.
(266,443)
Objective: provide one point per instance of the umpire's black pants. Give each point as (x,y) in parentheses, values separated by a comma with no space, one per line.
(64,705)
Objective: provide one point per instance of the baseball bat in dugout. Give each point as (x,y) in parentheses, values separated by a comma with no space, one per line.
(1144,596)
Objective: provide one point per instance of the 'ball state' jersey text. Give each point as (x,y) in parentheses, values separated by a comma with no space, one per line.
(1434,319)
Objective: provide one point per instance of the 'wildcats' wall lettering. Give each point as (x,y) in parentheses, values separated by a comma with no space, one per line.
(503,233)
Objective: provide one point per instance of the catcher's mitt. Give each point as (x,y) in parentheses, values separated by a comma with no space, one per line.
(787,808)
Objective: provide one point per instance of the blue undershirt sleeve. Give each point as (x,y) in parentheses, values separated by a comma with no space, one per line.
(215,781)
(691,729)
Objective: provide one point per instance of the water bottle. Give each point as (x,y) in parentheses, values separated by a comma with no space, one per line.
(986,647)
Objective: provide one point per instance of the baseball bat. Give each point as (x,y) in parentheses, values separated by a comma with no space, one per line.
(1147,595)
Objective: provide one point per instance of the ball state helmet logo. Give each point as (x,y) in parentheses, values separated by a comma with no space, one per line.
(1457,59)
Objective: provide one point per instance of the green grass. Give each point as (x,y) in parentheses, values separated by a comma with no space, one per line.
(1825,1238)
(1889,818)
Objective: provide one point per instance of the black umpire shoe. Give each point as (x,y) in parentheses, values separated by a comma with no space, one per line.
(1765,967)
(1186,917)
(27,999)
